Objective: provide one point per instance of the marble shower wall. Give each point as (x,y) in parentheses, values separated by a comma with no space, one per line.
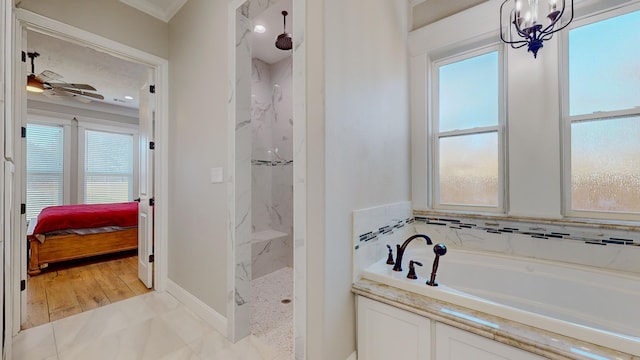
(238,307)
(272,150)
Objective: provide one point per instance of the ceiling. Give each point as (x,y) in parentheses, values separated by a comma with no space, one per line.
(428,11)
(263,45)
(161,9)
(114,78)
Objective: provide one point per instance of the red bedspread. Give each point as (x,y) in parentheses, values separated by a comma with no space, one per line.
(86,216)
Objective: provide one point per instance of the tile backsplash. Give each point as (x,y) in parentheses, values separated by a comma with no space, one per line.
(601,247)
(374,228)
(605,247)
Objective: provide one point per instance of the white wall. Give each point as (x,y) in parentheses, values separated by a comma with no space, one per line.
(364,139)
(357,120)
(108,18)
(198,141)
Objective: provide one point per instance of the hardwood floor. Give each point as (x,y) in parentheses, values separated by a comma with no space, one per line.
(72,287)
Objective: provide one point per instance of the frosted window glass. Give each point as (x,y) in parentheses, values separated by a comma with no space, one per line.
(604,65)
(469,170)
(468,93)
(108,167)
(605,165)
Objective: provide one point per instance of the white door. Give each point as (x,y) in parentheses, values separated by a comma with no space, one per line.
(145,208)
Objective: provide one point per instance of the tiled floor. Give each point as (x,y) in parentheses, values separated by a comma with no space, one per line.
(150,326)
(272,310)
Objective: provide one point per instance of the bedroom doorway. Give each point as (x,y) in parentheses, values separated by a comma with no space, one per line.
(82,147)
(113,276)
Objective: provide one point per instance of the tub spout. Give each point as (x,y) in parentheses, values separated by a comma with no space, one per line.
(401,248)
(439,250)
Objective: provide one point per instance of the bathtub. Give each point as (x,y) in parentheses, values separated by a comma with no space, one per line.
(271,250)
(587,304)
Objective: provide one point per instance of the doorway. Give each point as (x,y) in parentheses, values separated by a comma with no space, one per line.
(83,137)
(241,14)
(156,167)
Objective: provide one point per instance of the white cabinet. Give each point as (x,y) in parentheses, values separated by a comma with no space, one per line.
(456,344)
(386,332)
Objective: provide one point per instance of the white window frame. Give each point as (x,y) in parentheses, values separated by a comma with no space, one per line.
(125,130)
(567,120)
(36,119)
(435,135)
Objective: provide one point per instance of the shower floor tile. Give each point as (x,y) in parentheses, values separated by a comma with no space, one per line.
(272,318)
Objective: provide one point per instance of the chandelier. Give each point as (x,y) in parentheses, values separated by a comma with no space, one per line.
(532,22)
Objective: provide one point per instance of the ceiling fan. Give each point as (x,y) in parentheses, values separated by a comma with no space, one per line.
(44,83)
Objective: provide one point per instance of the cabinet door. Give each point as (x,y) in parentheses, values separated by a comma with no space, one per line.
(455,344)
(386,332)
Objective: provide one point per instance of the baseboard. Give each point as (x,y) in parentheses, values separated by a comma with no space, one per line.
(353,356)
(201,309)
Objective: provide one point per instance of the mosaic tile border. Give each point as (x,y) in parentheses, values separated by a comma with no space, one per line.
(534,231)
(384,230)
(271,163)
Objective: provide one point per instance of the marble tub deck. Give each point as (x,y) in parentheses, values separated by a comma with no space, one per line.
(152,326)
(537,341)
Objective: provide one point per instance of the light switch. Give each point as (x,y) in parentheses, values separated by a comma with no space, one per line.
(216,175)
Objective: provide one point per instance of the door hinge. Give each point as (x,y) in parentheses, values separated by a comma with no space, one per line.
(23,209)
(152,202)
(151,258)
(152,89)
(24,56)
(23,285)
(152,145)
(23,132)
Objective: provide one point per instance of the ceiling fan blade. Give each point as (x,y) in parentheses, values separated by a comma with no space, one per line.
(55,94)
(82,93)
(81,99)
(48,75)
(76,86)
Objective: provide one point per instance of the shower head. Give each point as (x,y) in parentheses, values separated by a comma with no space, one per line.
(283,42)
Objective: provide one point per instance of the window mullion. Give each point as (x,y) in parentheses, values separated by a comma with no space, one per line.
(605,115)
(477,130)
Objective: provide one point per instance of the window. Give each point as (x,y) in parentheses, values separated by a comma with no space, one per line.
(602,141)
(467,132)
(108,167)
(45,167)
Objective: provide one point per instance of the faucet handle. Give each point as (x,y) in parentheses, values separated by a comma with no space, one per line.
(412,271)
(390,257)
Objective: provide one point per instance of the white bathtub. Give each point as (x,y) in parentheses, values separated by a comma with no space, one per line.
(592,305)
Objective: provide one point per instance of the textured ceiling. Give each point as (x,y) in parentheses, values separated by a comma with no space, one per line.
(112,77)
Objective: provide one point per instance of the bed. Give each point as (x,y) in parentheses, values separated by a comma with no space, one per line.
(68,232)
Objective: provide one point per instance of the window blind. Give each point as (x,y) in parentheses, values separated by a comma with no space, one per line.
(45,167)
(108,167)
